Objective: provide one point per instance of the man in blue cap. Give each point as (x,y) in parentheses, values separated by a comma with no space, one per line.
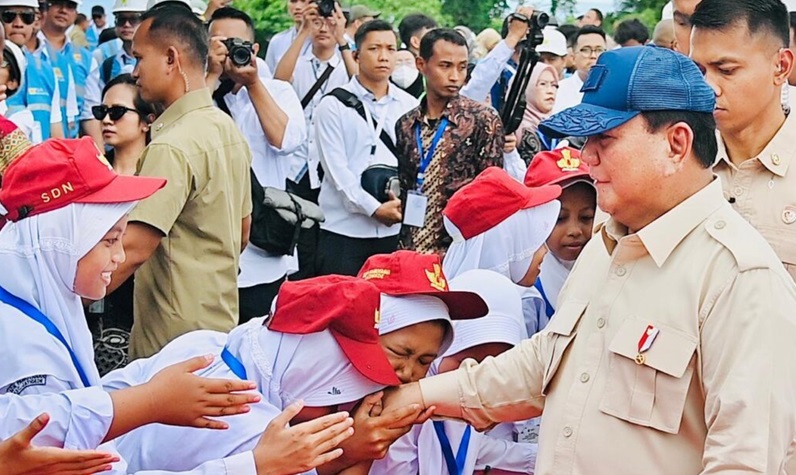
(672,349)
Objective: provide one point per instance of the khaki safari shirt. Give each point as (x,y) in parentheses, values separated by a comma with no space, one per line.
(190,282)
(714,393)
(763,190)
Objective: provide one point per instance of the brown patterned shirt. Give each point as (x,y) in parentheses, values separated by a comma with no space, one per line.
(472,141)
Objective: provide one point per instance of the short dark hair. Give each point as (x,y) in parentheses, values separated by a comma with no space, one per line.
(229,13)
(143,107)
(439,34)
(598,12)
(174,22)
(97,11)
(80,18)
(373,25)
(770,16)
(569,31)
(588,30)
(701,123)
(413,23)
(631,29)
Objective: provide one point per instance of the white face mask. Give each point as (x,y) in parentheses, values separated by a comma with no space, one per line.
(404,76)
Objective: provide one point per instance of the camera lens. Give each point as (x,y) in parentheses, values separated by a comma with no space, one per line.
(240,56)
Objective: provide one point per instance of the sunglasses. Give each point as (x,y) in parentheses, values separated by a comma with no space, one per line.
(115,112)
(8,16)
(133,20)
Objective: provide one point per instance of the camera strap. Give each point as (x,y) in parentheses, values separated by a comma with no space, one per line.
(350,100)
(317,86)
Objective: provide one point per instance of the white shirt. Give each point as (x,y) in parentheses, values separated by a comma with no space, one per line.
(487,72)
(345,141)
(308,70)
(569,94)
(270,165)
(279,45)
(95,84)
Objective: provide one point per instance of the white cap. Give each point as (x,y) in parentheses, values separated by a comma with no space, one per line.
(790,5)
(20,3)
(503,324)
(668,12)
(19,57)
(198,7)
(402,311)
(554,42)
(153,3)
(129,6)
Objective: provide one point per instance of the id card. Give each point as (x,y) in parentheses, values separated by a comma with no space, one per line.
(415,213)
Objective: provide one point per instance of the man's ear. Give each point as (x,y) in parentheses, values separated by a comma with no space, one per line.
(172,55)
(681,142)
(420,63)
(785,64)
(414,43)
(256,48)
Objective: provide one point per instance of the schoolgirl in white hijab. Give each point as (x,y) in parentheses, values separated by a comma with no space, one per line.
(67,212)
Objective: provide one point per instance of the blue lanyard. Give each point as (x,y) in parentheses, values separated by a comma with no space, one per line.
(425,157)
(548,307)
(37,316)
(548,143)
(234,364)
(455,465)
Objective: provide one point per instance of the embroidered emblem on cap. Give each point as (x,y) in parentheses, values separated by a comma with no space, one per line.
(376,274)
(568,163)
(377,319)
(789,216)
(436,279)
(596,77)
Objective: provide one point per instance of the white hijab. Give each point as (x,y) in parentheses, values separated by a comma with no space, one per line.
(506,248)
(38,258)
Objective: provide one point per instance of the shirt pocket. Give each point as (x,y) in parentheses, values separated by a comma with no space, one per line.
(558,335)
(651,394)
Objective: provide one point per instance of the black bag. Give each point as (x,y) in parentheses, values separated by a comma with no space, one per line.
(379,179)
(277,218)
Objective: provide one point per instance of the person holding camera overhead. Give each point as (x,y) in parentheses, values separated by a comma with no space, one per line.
(355,131)
(269,115)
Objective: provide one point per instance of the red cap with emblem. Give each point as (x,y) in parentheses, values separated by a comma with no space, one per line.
(346,306)
(412,273)
(490,199)
(60,172)
(557,167)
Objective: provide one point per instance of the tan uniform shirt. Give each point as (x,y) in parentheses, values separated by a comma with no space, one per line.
(190,282)
(716,392)
(764,191)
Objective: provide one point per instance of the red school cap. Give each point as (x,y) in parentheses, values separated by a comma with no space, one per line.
(557,167)
(349,307)
(491,198)
(412,273)
(60,172)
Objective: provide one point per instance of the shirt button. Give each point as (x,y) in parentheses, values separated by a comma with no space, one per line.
(567,431)
(584,378)
(775,159)
(737,191)
(720,225)
(600,322)
(621,271)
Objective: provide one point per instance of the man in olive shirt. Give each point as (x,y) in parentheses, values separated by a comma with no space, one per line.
(186,242)
(671,351)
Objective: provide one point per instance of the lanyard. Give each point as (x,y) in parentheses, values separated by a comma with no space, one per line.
(375,131)
(425,157)
(548,143)
(37,316)
(234,364)
(548,306)
(455,465)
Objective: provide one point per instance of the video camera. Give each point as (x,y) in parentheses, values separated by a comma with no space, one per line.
(239,51)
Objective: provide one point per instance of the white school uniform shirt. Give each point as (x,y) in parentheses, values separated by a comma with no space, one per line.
(270,166)
(345,142)
(308,70)
(568,94)
(279,45)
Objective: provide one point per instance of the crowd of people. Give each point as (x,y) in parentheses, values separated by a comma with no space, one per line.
(379,248)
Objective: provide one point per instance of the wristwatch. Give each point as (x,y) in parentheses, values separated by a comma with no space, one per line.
(344,47)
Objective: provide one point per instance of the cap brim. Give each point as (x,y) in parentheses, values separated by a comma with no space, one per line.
(584,120)
(125,188)
(461,305)
(541,195)
(369,359)
(571,178)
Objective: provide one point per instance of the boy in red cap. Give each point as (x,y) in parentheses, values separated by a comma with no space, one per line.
(573,229)
(67,211)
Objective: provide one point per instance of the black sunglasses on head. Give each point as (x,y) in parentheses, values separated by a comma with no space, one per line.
(133,20)
(8,16)
(115,112)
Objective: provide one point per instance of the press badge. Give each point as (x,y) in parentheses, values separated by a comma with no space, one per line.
(416,205)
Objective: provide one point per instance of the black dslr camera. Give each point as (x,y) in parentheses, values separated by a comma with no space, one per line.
(239,51)
(325,8)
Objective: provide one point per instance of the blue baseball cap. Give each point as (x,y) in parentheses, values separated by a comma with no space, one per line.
(627,82)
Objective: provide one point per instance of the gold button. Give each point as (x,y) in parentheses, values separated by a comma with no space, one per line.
(600,322)
(720,225)
(738,191)
(775,159)
(789,216)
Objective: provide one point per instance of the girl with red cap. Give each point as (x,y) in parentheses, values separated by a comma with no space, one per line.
(67,211)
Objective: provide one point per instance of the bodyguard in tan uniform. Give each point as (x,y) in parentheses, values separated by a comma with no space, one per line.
(672,349)
(747,69)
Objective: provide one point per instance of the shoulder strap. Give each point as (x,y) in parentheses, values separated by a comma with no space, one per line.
(315,87)
(351,100)
(107,69)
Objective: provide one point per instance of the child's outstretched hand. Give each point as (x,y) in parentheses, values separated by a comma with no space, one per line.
(19,457)
(181,398)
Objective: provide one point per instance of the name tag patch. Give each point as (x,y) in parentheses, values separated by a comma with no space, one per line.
(23,384)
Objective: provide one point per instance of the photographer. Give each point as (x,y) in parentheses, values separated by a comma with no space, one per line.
(269,115)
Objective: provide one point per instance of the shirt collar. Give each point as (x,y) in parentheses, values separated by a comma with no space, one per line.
(335,60)
(44,41)
(451,111)
(364,93)
(662,236)
(776,156)
(190,102)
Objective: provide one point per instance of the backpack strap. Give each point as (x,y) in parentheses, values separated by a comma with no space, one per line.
(351,100)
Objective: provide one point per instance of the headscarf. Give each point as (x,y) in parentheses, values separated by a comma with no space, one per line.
(407,310)
(532,115)
(38,258)
(507,248)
